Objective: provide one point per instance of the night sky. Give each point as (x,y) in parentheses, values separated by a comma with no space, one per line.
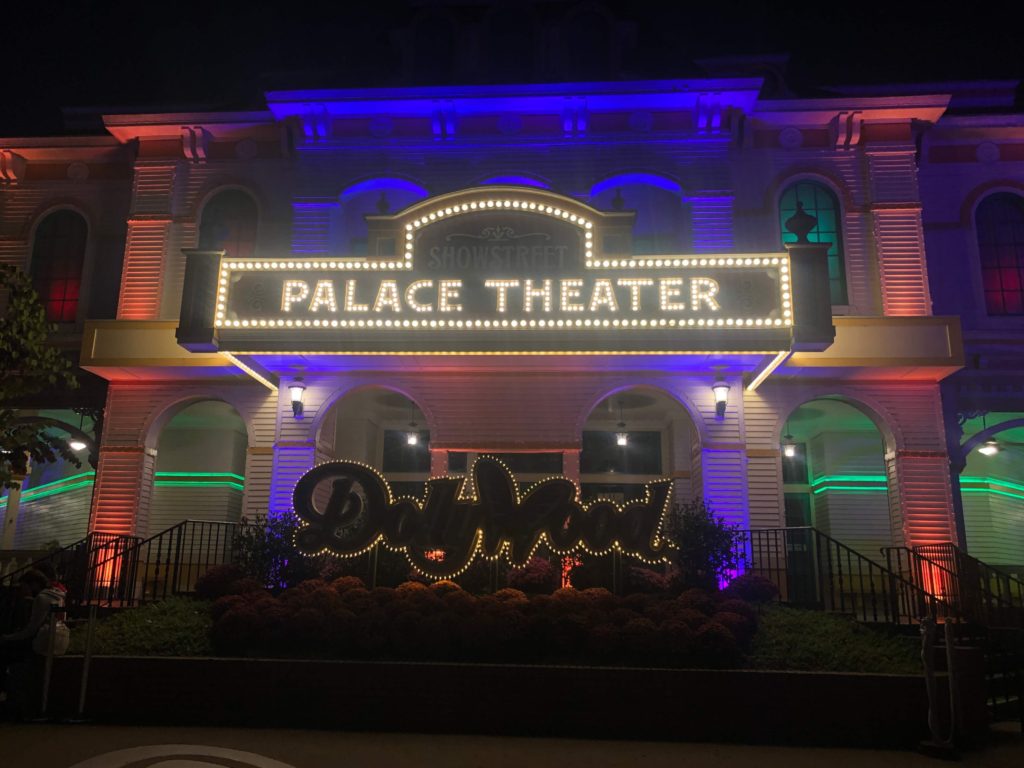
(119,56)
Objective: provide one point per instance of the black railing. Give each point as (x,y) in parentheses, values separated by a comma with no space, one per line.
(997,593)
(813,570)
(75,562)
(168,563)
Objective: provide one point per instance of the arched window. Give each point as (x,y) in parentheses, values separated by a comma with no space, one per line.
(58,256)
(229,223)
(661,225)
(819,201)
(1000,225)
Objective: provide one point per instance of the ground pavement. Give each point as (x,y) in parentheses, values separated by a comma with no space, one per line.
(89,746)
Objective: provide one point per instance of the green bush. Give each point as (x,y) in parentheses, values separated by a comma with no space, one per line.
(794,639)
(177,626)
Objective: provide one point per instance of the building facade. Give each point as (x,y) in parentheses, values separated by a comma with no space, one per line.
(972,180)
(557,274)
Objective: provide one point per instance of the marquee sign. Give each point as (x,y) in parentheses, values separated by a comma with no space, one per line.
(490,274)
(459,520)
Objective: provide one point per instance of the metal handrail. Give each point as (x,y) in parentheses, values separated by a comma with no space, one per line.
(811,568)
(167,563)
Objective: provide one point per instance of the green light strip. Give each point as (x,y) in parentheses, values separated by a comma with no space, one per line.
(239,478)
(850,488)
(42,491)
(992,481)
(198,484)
(993,490)
(850,478)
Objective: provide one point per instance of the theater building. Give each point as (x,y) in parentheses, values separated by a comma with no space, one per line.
(972,181)
(614,282)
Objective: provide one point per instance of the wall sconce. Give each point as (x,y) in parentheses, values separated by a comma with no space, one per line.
(788,446)
(721,390)
(621,437)
(413,436)
(990,448)
(76,443)
(297,391)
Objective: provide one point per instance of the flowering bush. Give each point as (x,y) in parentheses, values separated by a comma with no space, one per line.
(538,576)
(442,621)
(752,588)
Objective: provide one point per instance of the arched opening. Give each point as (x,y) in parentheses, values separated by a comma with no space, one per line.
(834,475)
(52,505)
(58,260)
(662,224)
(992,489)
(382,428)
(371,197)
(228,222)
(632,437)
(821,202)
(200,467)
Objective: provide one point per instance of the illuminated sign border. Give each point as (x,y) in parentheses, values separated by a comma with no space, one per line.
(736,261)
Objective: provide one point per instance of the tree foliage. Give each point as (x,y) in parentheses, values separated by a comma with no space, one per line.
(707,549)
(28,365)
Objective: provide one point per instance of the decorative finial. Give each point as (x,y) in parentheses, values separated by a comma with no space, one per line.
(801,223)
(618,203)
(383,206)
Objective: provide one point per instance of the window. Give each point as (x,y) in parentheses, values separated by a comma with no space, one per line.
(229,224)
(820,202)
(58,256)
(1000,226)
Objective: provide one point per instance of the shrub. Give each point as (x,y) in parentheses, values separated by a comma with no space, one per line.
(538,576)
(217,582)
(345,583)
(177,626)
(790,638)
(646,581)
(697,600)
(752,588)
(705,547)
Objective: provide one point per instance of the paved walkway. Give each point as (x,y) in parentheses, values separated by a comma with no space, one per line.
(86,746)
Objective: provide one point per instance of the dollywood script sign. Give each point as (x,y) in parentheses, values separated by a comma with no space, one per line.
(461,519)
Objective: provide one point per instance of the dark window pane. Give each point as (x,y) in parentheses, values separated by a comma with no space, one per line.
(640,456)
(999,222)
(819,202)
(58,256)
(400,456)
(229,224)
(532,463)
(798,509)
(794,468)
(457,461)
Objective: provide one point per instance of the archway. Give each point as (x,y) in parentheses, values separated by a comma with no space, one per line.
(52,506)
(382,428)
(200,467)
(632,437)
(835,477)
(992,489)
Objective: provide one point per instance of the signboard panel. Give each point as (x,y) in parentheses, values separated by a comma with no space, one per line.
(500,277)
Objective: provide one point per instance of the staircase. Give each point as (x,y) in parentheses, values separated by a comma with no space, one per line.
(991,606)
(813,570)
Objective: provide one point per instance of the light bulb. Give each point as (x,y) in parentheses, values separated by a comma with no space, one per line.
(412,439)
(789,450)
(991,448)
(621,439)
(77,445)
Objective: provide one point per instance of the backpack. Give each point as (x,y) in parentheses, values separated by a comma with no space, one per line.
(54,625)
